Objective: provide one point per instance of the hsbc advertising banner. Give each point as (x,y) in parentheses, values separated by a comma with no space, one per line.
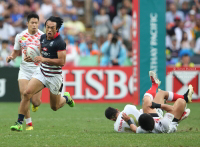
(178,79)
(98,85)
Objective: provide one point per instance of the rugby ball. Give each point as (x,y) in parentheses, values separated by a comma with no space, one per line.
(32,51)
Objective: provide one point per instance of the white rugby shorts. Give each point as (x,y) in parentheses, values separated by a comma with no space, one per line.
(54,84)
(26,73)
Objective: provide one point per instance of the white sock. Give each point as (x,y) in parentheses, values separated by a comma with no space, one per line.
(148,94)
(28,120)
(171,96)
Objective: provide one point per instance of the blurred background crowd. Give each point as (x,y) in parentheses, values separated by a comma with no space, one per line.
(183,32)
(97,32)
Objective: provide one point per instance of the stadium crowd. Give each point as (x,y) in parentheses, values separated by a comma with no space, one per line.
(106,36)
(183,32)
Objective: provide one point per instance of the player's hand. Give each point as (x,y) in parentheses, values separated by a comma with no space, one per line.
(38,59)
(27,59)
(125,117)
(9,58)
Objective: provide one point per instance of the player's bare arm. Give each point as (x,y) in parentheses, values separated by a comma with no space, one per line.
(127,119)
(58,62)
(13,55)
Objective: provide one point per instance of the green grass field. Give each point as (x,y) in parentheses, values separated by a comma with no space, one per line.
(86,125)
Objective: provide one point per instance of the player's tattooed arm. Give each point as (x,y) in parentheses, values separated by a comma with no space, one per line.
(127,119)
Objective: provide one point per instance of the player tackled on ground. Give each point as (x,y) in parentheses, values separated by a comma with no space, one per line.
(152,121)
(28,37)
(53,49)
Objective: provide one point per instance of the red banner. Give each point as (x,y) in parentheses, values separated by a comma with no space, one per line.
(135,49)
(178,79)
(97,85)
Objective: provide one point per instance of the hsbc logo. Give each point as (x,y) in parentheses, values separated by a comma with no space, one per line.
(95,84)
(2,87)
(178,82)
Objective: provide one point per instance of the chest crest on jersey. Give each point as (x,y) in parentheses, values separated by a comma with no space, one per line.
(51,43)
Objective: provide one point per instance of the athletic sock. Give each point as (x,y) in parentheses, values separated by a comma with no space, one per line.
(66,98)
(29,121)
(20,118)
(173,96)
(152,91)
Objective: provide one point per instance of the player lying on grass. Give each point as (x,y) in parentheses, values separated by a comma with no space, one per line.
(53,50)
(175,113)
(134,118)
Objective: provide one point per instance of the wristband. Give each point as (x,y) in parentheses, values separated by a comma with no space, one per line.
(129,122)
(155,105)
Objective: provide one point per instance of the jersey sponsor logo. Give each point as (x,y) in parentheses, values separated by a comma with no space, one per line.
(120,125)
(23,38)
(45,53)
(44,49)
(51,43)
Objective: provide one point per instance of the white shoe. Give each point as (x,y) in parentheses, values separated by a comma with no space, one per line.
(185,114)
(191,91)
(153,75)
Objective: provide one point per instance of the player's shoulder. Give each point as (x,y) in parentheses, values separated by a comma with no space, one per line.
(59,40)
(40,32)
(24,32)
(129,106)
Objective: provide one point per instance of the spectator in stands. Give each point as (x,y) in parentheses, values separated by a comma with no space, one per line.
(74,26)
(196,29)
(4,52)
(6,30)
(184,8)
(64,34)
(110,9)
(67,9)
(17,18)
(72,56)
(103,26)
(172,51)
(190,24)
(46,8)
(127,4)
(185,59)
(113,52)
(87,46)
(122,25)
(96,6)
(185,43)
(170,15)
(197,47)
(40,14)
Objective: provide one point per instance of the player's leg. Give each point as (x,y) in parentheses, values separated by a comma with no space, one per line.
(170,96)
(22,86)
(150,94)
(36,101)
(178,108)
(33,87)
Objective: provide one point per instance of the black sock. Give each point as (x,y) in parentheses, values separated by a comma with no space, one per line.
(20,118)
(186,96)
(175,120)
(66,98)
